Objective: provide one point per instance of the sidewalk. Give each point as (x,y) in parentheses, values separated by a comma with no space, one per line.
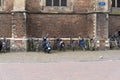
(67,56)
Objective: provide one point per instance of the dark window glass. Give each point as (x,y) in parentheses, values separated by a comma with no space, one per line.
(55,2)
(113,3)
(0,2)
(118,3)
(63,2)
(48,2)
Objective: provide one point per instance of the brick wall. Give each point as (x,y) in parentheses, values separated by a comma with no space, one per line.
(83,21)
(91,25)
(78,6)
(102,27)
(63,25)
(33,5)
(5,25)
(114,24)
(83,5)
(8,5)
(5,18)
(19,22)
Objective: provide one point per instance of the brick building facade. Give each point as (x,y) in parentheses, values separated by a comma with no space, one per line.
(64,18)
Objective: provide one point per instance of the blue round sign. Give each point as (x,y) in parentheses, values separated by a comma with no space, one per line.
(101,3)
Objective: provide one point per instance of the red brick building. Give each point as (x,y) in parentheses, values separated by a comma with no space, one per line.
(64,18)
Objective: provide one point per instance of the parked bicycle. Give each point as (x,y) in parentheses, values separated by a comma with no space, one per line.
(4,47)
(59,44)
(71,44)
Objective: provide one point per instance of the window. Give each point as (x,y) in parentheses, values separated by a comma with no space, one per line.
(56,6)
(48,2)
(118,3)
(56,2)
(0,2)
(63,2)
(115,3)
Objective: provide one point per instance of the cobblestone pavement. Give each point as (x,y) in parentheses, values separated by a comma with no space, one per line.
(78,65)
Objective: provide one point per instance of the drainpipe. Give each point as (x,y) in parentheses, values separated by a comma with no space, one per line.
(12,30)
(107,41)
(25,35)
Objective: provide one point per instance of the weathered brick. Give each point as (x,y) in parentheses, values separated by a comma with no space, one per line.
(5,25)
(63,25)
(78,17)
(114,24)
